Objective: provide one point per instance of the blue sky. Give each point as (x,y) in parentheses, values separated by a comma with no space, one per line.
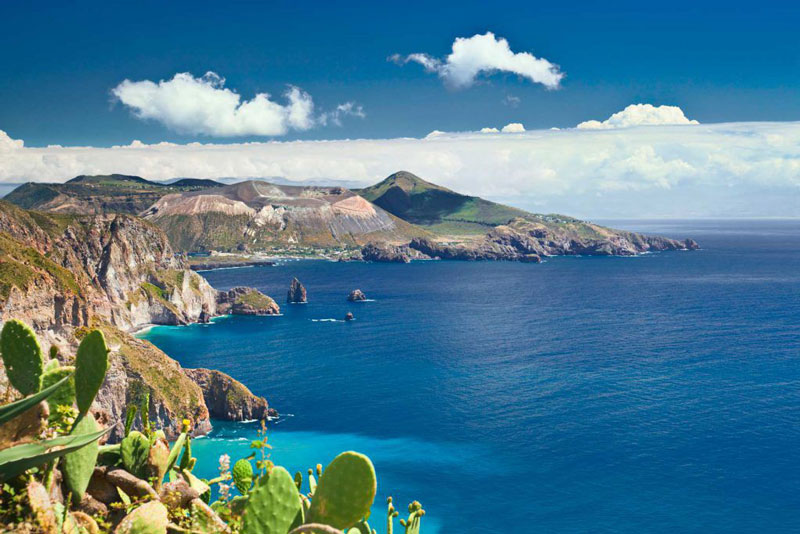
(718,61)
(607,109)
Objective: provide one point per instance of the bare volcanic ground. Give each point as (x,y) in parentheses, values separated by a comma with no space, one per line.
(260,215)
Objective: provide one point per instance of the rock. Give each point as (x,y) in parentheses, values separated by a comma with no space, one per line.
(356,295)
(178,494)
(91,506)
(297,293)
(133,486)
(229,399)
(348,316)
(205,315)
(246,301)
(383,252)
(100,488)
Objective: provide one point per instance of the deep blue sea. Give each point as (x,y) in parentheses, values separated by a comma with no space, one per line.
(659,393)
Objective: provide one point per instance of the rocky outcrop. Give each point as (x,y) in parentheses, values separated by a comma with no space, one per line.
(246,301)
(297,293)
(348,316)
(63,274)
(229,399)
(381,252)
(356,295)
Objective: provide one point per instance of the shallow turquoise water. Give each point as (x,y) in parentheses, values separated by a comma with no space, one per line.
(651,394)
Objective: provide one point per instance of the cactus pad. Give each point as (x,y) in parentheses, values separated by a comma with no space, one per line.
(345,491)
(91,365)
(273,506)
(64,395)
(22,356)
(135,451)
(149,518)
(243,475)
(78,465)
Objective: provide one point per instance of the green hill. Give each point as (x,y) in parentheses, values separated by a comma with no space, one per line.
(437,208)
(112,193)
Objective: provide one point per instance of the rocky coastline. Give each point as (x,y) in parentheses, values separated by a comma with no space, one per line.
(66,274)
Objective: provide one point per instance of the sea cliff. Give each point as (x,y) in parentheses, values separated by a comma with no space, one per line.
(64,273)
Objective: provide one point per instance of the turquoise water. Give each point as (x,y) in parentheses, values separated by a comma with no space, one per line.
(652,394)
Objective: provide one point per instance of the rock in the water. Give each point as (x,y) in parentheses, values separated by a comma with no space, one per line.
(297,293)
(385,253)
(229,399)
(356,295)
(349,316)
(246,301)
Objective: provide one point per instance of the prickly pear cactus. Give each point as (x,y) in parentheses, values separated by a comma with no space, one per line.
(149,518)
(22,357)
(64,395)
(242,475)
(78,465)
(273,506)
(415,513)
(345,491)
(157,460)
(91,365)
(135,451)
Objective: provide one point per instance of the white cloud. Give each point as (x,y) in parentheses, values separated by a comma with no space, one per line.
(342,110)
(205,106)
(6,143)
(513,127)
(490,130)
(640,115)
(734,169)
(485,54)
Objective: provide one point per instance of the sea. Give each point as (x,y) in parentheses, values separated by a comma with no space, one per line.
(657,393)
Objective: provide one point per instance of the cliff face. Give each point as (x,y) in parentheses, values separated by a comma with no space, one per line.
(63,273)
(227,398)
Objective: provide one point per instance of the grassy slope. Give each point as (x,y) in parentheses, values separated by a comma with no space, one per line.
(436,208)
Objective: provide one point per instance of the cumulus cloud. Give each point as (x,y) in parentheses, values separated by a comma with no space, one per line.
(513,127)
(484,54)
(640,115)
(6,143)
(489,130)
(733,169)
(204,106)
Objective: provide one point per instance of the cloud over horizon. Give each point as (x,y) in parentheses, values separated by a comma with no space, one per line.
(484,54)
(204,106)
(640,115)
(727,169)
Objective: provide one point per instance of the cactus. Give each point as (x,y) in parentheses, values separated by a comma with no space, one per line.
(391,513)
(273,506)
(91,365)
(78,466)
(158,460)
(345,491)
(16,408)
(64,395)
(130,415)
(242,475)
(18,459)
(22,357)
(415,513)
(145,412)
(135,450)
(298,481)
(149,518)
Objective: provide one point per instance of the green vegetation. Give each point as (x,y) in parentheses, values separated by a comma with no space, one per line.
(147,486)
(22,267)
(255,299)
(113,193)
(437,208)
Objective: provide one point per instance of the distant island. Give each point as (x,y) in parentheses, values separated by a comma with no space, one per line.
(399,219)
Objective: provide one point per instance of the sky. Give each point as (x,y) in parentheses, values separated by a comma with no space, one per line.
(677,109)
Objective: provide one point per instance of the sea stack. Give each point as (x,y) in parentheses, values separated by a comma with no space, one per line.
(348,316)
(356,295)
(297,293)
